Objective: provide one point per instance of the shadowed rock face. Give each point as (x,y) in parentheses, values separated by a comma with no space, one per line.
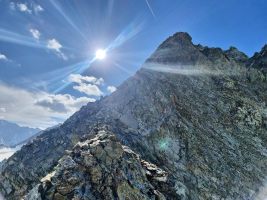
(259,60)
(198,113)
(101,168)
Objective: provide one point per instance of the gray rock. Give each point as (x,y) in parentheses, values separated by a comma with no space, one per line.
(101,168)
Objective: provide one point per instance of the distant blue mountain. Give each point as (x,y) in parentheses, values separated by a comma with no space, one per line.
(12,134)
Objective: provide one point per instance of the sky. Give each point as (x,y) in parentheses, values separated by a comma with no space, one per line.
(48,62)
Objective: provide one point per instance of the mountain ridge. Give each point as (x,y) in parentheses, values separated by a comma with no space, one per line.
(12,134)
(184,111)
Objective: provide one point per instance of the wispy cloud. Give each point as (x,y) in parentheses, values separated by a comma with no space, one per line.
(150,8)
(3,57)
(16,38)
(78,78)
(12,6)
(51,44)
(35,33)
(26,8)
(23,7)
(38,8)
(54,45)
(111,89)
(37,109)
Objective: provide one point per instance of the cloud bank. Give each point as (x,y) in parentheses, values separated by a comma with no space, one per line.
(37,109)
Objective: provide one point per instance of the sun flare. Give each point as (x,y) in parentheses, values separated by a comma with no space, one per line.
(100,54)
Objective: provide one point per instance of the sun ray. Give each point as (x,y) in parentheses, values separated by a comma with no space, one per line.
(129,32)
(128,72)
(60,82)
(8,36)
(67,18)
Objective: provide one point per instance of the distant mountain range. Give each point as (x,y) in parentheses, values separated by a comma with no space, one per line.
(12,134)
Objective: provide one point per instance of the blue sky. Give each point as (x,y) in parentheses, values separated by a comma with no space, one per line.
(47,48)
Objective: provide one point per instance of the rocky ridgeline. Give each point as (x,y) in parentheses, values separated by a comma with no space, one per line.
(101,168)
(196,112)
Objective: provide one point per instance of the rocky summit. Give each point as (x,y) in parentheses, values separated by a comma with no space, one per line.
(197,115)
(101,168)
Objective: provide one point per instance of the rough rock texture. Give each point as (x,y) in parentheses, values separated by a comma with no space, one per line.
(259,61)
(198,113)
(236,55)
(101,168)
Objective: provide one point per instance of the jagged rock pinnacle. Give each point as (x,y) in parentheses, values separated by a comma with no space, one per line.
(179,38)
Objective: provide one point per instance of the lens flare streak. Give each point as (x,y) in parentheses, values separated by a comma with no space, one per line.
(78,68)
(8,36)
(66,17)
(129,32)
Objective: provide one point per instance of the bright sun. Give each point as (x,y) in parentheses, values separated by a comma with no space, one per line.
(100,54)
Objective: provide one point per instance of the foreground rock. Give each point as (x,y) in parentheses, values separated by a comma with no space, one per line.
(101,168)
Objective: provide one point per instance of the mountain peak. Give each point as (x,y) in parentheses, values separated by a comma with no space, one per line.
(179,50)
(259,60)
(235,54)
(179,38)
(264,48)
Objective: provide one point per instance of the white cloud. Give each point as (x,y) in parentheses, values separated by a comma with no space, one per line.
(111,89)
(3,57)
(35,33)
(62,103)
(89,89)
(87,84)
(38,8)
(23,8)
(2,109)
(54,45)
(37,109)
(78,78)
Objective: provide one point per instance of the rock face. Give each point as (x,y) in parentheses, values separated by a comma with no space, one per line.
(101,168)
(259,60)
(198,113)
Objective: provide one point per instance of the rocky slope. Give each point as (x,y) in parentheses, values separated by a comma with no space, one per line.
(101,168)
(196,112)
